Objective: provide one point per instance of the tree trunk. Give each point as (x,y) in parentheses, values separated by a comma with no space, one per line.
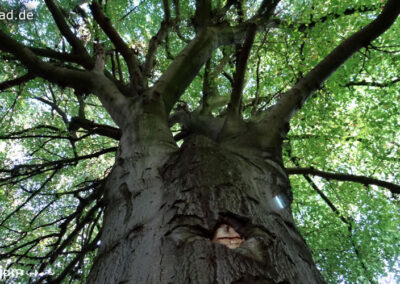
(164,206)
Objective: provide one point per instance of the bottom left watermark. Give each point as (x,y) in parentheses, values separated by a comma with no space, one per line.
(15,273)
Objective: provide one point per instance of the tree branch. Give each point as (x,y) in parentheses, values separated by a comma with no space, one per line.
(55,107)
(127,53)
(208,90)
(346,221)
(373,84)
(92,127)
(220,13)
(84,61)
(394,188)
(293,100)
(130,11)
(189,61)
(33,169)
(61,76)
(211,98)
(202,14)
(156,40)
(79,256)
(17,81)
(331,16)
(77,46)
(108,91)
(24,134)
(234,106)
(266,8)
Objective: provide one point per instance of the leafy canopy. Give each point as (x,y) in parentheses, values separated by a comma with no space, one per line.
(51,171)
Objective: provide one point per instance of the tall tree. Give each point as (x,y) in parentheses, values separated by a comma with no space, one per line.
(150,141)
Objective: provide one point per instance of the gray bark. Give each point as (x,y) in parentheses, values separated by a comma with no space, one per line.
(165,203)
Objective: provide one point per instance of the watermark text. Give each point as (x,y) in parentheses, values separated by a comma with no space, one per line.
(13,273)
(13,15)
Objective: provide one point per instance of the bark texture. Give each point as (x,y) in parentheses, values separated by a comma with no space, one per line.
(164,209)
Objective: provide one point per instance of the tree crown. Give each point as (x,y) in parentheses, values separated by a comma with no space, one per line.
(223,69)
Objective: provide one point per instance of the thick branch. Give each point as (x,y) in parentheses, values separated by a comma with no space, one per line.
(84,61)
(202,14)
(107,90)
(239,77)
(64,29)
(120,45)
(211,98)
(188,63)
(111,97)
(17,81)
(92,127)
(394,188)
(109,30)
(208,89)
(293,100)
(61,76)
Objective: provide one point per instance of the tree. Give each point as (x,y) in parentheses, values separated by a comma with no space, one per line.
(156,136)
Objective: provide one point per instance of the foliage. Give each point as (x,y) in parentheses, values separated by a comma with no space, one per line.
(51,213)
